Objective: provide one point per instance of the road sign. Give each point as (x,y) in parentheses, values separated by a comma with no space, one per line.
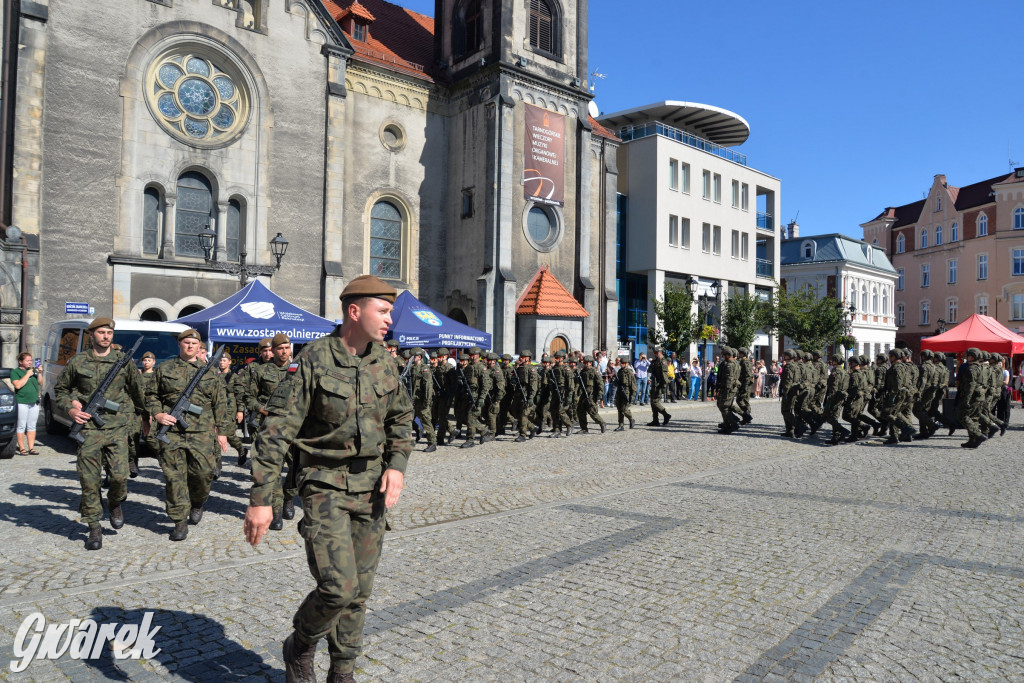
(76,308)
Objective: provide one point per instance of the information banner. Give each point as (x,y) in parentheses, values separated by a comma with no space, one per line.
(544,156)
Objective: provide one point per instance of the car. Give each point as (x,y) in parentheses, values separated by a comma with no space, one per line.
(68,337)
(8,416)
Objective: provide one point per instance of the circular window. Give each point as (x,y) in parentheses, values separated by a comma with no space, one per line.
(198,98)
(392,136)
(543,226)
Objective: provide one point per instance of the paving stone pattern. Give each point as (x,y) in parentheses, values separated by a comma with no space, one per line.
(657,554)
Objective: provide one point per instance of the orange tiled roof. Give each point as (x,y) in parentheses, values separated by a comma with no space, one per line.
(545,295)
(398,39)
(601,131)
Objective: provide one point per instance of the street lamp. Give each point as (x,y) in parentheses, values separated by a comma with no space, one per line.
(704,315)
(942,325)
(849,315)
(244,271)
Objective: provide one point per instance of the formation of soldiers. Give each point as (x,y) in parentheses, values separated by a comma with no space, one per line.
(890,395)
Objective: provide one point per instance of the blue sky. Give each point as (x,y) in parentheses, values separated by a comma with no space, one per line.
(854,106)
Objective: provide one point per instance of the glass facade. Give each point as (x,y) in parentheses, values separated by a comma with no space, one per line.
(630,287)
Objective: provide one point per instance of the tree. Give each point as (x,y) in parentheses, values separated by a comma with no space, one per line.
(677,325)
(742,317)
(811,322)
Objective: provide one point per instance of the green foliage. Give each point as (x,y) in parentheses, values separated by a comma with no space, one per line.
(742,317)
(848,341)
(677,325)
(811,323)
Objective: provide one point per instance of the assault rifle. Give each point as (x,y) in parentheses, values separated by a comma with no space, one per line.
(558,391)
(405,378)
(586,392)
(184,404)
(519,383)
(98,402)
(465,383)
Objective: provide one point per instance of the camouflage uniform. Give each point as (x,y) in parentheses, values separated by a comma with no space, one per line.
(560,400)
(348,419)
(495,398)
(262,384)
(592,387)
(789,390)
(544,393)
(105,446)
(725,394)
(231,394)
(746,386)
(422,398)
(146,380)
(969,392)
(658,376)
(188,461)
(625,391)
(443,383)
(507,370)
(837,389)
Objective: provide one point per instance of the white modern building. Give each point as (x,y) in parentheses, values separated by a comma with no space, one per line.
(853,271)
(690,206)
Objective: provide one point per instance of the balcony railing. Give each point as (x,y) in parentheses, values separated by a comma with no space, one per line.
(765,221)
(643,130)
(765,268)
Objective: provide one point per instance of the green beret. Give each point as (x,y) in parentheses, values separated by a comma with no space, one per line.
(280,338)
(149,354)
(189,334)
(100,322)
(369,285)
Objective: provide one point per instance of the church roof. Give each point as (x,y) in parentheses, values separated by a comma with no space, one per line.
(398,39)
(545,295)
(601,131)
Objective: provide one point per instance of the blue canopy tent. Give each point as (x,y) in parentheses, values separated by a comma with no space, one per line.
(255,312)
(413,323)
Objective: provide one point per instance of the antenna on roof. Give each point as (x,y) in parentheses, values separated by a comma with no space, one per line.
(1009,156)
(595,74)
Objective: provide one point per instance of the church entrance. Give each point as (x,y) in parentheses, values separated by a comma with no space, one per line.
(559,343)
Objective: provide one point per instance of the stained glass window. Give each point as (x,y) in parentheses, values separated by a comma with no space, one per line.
(386,241)
(193,213)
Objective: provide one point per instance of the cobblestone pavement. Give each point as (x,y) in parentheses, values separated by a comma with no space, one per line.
(669,553)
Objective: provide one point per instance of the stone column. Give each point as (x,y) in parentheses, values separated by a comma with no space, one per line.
(167,250)
(10,337)
(221,228)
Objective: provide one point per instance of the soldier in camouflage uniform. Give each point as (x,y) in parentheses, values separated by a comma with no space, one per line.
(544,394)
(560,396)
(442,395)
(941,380)
(625,392)
(495,397)
(592,388)
(925,393)
(746,387)
(350,421)
(105,446)
(231,391)
(789,391)
(857,397)
(422,396)
(246,377)
(725,394)
(507,369)
(188,461)
(875,407)
(657,375)
(523,389)
(473,396)
(571,365)
(969,393)
(146,376)
(816,399)
(836,392)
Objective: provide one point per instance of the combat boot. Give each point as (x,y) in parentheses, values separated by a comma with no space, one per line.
(970,443)
(632,423)
(431,448)
(243,455)
(799,431)
(277,523)
(133,468)
(568,430)
(180,531)
(907,434)
(116,516)
(992,432)
(195,515)
(519,439)
(298,660)
(468,444)
(666,417)
(288,511)
(95,540)
(654,423)
(335,676)
(602,427)
(620,428)
(747,419)
(891,440)
(788,432)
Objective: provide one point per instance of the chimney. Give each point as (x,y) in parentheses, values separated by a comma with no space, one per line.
(793,229)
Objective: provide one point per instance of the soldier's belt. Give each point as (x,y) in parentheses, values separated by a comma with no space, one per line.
(351,464)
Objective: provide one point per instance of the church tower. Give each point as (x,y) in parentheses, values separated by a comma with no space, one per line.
(522,172)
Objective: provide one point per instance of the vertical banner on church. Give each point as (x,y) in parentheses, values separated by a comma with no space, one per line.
(544,156)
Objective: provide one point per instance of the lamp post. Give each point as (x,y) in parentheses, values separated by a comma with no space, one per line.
(849,314)
(244,271)
(704,316)
(942,325)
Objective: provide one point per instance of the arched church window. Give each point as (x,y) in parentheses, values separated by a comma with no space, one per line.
(197,96)
(233,230)
(543,26)
(474,23)
(151,209)
(386,241)
(195,201)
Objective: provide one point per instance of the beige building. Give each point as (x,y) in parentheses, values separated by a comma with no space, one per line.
(958,251)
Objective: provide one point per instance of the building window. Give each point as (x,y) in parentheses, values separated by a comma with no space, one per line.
(467,203)
(744,196)
(874,300)
(1018,261)
(684,233)
(386,241)
(543,27)
(951,271)
(705,238)
(718,188)
(925,274)
(864,298)
(1018,306)
(673,231)
(684,177)
(885,301)
(899,280)
(926,309)
(924,238)
(938,202)
(983,304)
(233,230)
(954,232)
(706,190)
(673,174)
(151,210)
(982,225)
(716,240)
(474,27)
(901,315)
(735,194)
(1018,218)
(982,266)
(359,31)
(735,244)
(195,199)
(901,243)
(938,235)
(744,246)
(853,294)
(951,311)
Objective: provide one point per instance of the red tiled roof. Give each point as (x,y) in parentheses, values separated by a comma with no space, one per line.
(601,131)
(399,38)
(356,9)
(545,295)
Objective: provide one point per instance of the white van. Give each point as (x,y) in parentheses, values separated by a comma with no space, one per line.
(68,337)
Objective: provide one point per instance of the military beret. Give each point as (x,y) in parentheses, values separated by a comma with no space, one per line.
(588,359)
(560,353)
(418,352)
(443,352)
(545,358)
(100,322)
(526,353)
(369,285)
(189,334)
(506,356)
(149,354)
(265,343)
(280,338)
(474,350)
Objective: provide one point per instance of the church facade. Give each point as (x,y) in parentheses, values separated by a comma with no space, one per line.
(453,156)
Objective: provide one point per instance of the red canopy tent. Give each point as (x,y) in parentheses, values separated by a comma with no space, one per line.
(979,331)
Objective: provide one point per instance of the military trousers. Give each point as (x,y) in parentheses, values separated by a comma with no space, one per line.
(967,415)
(474,420)
(188,463)
(789,408)
(491,412)
(442,406)
(832,413)
(523,413)
(743,401)
(102,448)
(585,410)
(622,404)
(559,414)
(724,402)
(656,406)
(344,535)
(422,412)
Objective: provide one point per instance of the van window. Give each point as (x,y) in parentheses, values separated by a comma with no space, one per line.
(164,345)
(68,345)
(51,347)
